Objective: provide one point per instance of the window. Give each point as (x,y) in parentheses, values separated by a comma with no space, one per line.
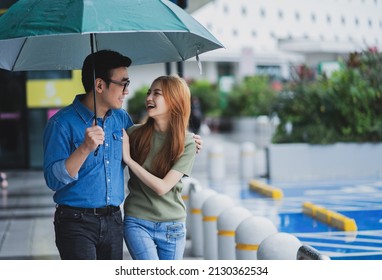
(280,14)
(225,9)
(343,20)
(297,16)
(225,69)
(272,71)
(262,12)
(243,11)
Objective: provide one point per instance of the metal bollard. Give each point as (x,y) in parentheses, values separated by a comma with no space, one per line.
(211,209)
(189,184)
(306,252)
(279,246)
(197,199)
(247,160)
(216,163)
(249,234)
(227,223)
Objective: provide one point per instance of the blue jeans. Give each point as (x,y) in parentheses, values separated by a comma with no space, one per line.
(85,236)
(147,240)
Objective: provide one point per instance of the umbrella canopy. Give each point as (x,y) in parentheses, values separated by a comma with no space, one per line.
(56,34)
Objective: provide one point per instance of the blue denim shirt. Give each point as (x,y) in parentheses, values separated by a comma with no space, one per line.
(100,181)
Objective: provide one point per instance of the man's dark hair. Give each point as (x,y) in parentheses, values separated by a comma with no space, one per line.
(104,62)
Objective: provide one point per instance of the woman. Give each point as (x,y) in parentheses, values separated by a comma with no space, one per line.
(159,153)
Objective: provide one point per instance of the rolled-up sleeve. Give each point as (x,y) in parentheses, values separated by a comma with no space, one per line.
(61,173)
(56,151)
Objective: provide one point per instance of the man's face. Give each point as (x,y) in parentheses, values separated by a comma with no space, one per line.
(113,95)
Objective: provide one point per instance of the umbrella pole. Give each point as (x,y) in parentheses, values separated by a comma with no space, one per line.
(94,86)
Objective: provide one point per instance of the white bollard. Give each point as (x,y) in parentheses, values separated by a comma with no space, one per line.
(197,199)
(189,184)
(216,163)
(263,131)
(249,234)
(279,246)
(247,160)
(227,223)
(211,209)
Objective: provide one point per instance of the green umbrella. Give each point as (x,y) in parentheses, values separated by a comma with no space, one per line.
(59,34)
(56,34)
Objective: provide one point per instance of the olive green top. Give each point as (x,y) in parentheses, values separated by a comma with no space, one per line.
(144,203)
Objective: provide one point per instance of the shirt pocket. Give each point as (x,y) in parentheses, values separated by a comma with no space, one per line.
(117,141)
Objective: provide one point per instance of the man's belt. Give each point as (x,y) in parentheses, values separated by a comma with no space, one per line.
(104,211)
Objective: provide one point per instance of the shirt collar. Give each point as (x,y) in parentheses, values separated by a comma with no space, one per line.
(86,115)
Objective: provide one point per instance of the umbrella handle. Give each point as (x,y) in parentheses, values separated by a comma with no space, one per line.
(96,151)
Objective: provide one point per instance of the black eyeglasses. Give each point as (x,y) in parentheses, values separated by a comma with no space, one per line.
(122,84)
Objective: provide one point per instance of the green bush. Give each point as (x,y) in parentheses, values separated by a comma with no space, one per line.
(253,97)
(208,96)
(342,108)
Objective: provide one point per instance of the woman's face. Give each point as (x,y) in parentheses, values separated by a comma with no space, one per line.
(155,103)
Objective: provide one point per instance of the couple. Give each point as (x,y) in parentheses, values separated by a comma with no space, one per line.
(89,185)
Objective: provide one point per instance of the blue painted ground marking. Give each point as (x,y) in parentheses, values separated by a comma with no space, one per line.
(360,200)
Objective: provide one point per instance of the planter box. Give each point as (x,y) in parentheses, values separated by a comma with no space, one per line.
(291,162)
(257,129)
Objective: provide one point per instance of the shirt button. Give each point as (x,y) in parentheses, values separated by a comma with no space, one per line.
(108,180)
(107,145)
(107,162)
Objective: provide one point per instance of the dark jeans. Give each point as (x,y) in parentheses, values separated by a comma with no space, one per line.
(85,236)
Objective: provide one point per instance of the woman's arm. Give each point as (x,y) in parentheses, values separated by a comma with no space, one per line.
(158,185)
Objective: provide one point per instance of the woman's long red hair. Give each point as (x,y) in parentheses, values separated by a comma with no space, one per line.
(177,96)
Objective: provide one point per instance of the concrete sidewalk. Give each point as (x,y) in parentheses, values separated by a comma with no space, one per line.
(26,218)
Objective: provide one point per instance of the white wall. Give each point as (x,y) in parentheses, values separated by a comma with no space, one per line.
(292,162)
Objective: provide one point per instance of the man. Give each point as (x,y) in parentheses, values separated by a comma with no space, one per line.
(83,162)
